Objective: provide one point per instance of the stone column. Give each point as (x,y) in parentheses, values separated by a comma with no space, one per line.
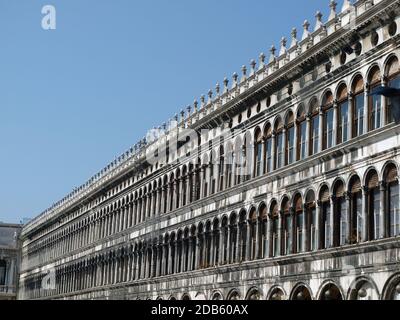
(238,246)
(318,211)
(257,243)
(273,151)
(335,123)
(384,120)
(308,135)
(382,212)
(295,141)
(285,153)
(331,220)
(350,116)
(321,129)
(366,107)
(304,228)
(247,227)
(364,222)
(280,231)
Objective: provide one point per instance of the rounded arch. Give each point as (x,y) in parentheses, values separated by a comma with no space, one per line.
(216,295)
(341,91)
(254,293)
(357,82)
(389,171)
(234,294)
(363,288)
(391,290)
(289,117)
(326,97)
(323,189)
(267,130)
(301,292)
(391,65)
(301,111)
(313,105)
(368,174)
(186,296)
(330,290)
(278,123)
(200,296)
(338,186)
(276,293)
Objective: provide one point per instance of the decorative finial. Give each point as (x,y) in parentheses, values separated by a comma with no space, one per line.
(283,46)
(217,89)
(244,72)
(318,23)
(306,33)
(202,100)
(332,5)
(226,83)
(253,64)
(235,78)
(210,94)
(195,105)
(261,59)
(189,109)
(272,57)
(294,38)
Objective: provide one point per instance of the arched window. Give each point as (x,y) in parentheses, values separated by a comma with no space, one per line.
(197,181)
(221,168)
(225,244)
(311,222)
(242,236)
(330,292)
(325,206)
(253,233)
(340,218)
(268,148)
(392,201)
(327,105)
(287,232)
(280,145)
(301,134)
(200,248)
(184,186)
(343,115)
(215,244)
(299,222)
(233,238)
(289,155)
(375,101)
(230,158)
(212,173)
(373,206)
(207,245)
(239,160)
(393,75)
(358,106)
(274,213)
(171,192)
(258,153)
(356,222)
(263,232)
(301,294)
(314,139)
(177,189)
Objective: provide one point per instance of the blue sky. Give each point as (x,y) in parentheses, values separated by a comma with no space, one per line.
(73,98)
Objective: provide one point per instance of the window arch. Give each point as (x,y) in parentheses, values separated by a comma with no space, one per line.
(233,238)
(342,115)
(340,217)
(363,289)
(314,146)
(225,237)
(258,153)
(311,221)
(358,106)
(289,151)
(301,293)
(268,148)
(301,138)
(299,220)
(243,230)
(373,205)
(234,295)
(327,106)
(280,145)
(221,182)
(356,218)
(230,158)
(392,72)
(392,210)
(263,231)
(330,292)
(253,225)
(277,294)
(287,232)
(325,206)
(375,101)
(253,294)
(274,243)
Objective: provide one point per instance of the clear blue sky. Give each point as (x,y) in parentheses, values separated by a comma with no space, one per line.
(73,98)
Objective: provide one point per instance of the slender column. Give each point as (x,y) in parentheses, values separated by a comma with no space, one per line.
(384,120)
(285,153)
(335,122)
(257,243)
(366,107)
(273,149)
(350,116)
(318,225)
(249,244)
(349,214)
(364,213)
(190,251)
(321,129)
(280,231)
(295,146)
(212,250)
(331,220)
(382,212)
(308,134)
(237,257)
(267,225)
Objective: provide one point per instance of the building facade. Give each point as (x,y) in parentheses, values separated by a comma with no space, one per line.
(9,260)
(281,184)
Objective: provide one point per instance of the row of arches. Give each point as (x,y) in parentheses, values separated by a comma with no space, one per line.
(352,210)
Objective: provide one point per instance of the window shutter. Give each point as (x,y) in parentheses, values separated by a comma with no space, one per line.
(373,181)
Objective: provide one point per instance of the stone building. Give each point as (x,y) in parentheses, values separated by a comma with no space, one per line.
(9,260)
(288,188)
